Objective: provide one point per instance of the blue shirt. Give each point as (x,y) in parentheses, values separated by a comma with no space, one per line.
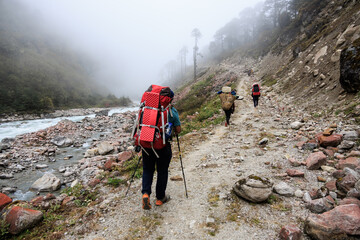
(175,120)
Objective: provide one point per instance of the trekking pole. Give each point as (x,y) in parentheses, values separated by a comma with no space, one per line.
(182,168)
(132,177)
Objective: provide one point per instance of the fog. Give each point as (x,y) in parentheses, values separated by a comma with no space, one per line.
(131,41)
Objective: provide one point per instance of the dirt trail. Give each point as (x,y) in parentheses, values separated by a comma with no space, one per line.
(211,169)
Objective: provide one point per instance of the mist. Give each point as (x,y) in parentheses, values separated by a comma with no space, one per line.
(131,41)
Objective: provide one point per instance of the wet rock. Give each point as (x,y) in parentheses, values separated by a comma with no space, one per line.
(253,188)
(62,141)
(315,160)
(290,232)
(105,148)
(330,141)
(4,200)
(48,182)
(284,189)
(22,218)
(335,224)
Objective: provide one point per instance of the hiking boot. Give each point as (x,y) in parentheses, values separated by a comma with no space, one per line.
(146,202)
(160,202)
(226,124)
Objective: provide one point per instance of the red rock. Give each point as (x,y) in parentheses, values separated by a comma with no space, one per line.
(334,224)
(331,185)
(328,131)
(294,173)
(290,232)
(332,140)
(351,162)
(108,165)
(125,156)
(346,183)
(93,182)
(4,200)
(37,201)
(22,218)
(347,201)
(329,152)
(49,196)
(300,144)
(67,200)
(315,160)
(354,154)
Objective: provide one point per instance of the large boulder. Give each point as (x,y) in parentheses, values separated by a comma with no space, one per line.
(20,218)
(350,68)
(253,188)
(335,224)
(48,182)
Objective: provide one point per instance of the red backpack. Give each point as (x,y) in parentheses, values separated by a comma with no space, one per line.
(256,90)
(152,119)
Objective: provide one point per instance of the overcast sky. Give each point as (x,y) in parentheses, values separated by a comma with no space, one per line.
(134,39)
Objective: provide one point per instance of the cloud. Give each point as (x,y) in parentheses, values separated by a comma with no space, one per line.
(132,40)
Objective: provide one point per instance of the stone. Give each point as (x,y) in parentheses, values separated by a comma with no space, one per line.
(299,193)
(108,165)
(295,173)
(294,162)
(335,224)
(253,189)
(263,141)
(350,135)
(6,176)
(346,183)
(348,200)
(354,154)
(124,156)
(331,185)
(21,219)
(48,182)
(350,68)
(4,200)
(320,205)
(328,131)
(41,166)
(283,189)
(296,125)
(328,169)
(330,141)
(351,162)
(105,148)
(336,56)
(346,144)
(315,160)
(91,152)
(320,53)
(290,232)
(62,141)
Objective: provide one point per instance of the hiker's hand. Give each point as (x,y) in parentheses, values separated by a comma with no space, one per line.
(177,129)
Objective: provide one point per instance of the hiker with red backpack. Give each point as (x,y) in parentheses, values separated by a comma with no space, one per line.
(156,121)
(255,93)
(227,98)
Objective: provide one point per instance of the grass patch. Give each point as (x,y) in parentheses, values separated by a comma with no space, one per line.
(115,182)
(213,197)
(83,196)
(269,80)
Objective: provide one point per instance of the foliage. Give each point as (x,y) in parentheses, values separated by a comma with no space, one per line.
(83,197)
(115,182)
(38,73)
(4,228)
(130,166)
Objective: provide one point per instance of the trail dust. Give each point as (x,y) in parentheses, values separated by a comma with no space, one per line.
(213,159)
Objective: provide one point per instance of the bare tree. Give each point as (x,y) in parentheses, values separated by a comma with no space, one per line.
(196,34)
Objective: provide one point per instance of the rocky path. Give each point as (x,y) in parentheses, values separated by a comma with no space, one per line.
(212,166)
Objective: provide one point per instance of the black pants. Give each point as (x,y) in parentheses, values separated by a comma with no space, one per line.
(228,113)
(256,100)
(162,166)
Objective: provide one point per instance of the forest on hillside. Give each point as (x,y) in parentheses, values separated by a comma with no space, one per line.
(39,72)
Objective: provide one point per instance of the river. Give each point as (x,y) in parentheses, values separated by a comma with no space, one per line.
(12,129)
(23,180)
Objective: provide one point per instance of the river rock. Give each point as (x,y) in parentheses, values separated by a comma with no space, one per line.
(48,182)
(20,218)
(335,224)
(284,189)
(104,148)
(296,125)
(4,200)
(253,188)
(62,141)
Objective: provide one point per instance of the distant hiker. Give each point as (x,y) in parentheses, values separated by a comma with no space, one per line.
(227,97)
(255,93)
(156,120)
